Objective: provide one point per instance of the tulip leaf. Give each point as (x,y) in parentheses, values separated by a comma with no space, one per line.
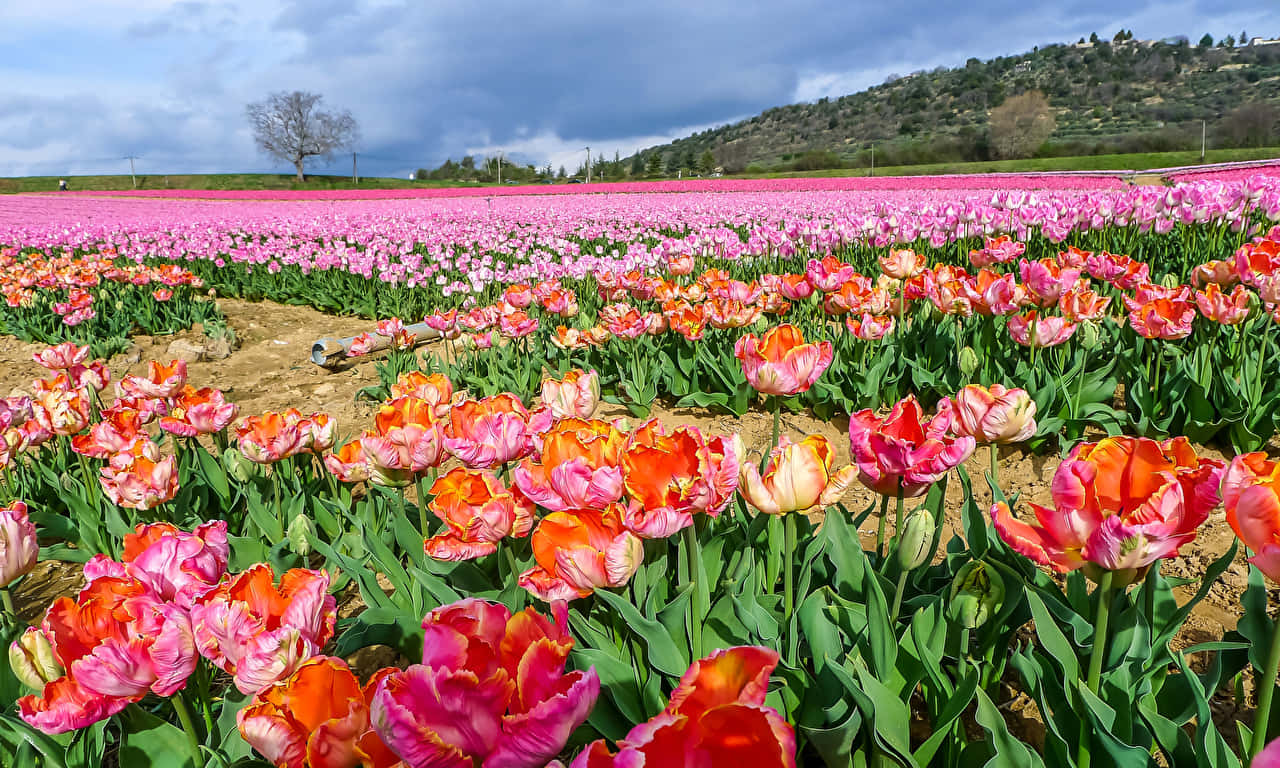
(662,651)
(1006,751)
(51,752)
(1104,717)
(150,741)
(889,715)
(1052,638)
(1173,625)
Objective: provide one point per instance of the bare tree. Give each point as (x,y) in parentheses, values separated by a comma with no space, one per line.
(1021,124)
(289,127)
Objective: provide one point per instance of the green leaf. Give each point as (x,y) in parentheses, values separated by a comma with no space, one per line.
(663,653)
(1007,752)
(150,741)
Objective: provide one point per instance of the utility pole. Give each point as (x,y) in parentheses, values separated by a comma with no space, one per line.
(131,158)
(355,176)
(588,165)
(499,166)
(1204,130)
(873,159)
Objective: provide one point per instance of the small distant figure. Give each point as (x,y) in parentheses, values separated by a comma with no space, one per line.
(62,185)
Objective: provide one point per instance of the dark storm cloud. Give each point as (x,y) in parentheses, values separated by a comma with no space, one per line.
(429,80)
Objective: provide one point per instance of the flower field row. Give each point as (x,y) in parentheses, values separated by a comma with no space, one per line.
(542,585)
(692,607)
(1086,181)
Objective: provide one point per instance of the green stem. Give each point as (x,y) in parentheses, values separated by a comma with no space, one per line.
(422,506)
(897,519)
(897,598)
(7,599)
(884,513)
(90,483)
(1262,715)
(189,727)
(995,465)
(788,555)
(1096,657)
(697,578)
(777,430)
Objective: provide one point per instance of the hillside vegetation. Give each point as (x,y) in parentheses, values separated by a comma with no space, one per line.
(1106,97)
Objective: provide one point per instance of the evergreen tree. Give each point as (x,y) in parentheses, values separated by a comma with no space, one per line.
(653,165)
(707,162)
(1206,41)
(637,164)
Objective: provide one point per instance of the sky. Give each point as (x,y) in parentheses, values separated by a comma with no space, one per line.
(86,83)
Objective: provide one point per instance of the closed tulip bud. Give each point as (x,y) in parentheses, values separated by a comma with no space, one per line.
(1170,281)
(32,660)
(1090,335)
(238,466)
(299,534)
(976,593)
(968,361)
(915,544)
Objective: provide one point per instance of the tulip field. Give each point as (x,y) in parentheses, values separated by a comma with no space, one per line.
(542,535)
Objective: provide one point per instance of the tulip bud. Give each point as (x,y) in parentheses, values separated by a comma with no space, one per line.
(238,466)
(299,534)
(1170,281)
(1090,334)
(32,661)
(976,593)
(915,544)
(968,362)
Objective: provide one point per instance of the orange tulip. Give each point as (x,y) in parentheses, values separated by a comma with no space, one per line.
(318,717)
(478,512)
(578,468)
(1251,495)
(780,362)
(580,551)
(670,476)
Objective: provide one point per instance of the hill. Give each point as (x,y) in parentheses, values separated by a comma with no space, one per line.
(1119,96)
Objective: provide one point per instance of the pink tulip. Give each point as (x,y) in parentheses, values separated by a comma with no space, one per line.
(1251,496)
(1032,330)
(1224,308)
(902,264)
(258,632)
(486,433)
(138,480)
(62,357)
(869,327)
(780,362)
(118,642)
(19,550)
(576,395)
(995,415)
(491,690)
(903,453)
(177,566)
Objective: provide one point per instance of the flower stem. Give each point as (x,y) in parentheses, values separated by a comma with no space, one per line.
(1096,657)
(884,512)
(788,555)
(7,599)
(897,519)
(189,727)
(995,464)
(897,598)
(697,578)
(422,506)
(1262,715)
(777,430)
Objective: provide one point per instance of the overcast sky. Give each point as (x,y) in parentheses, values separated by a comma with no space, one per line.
(83,83)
